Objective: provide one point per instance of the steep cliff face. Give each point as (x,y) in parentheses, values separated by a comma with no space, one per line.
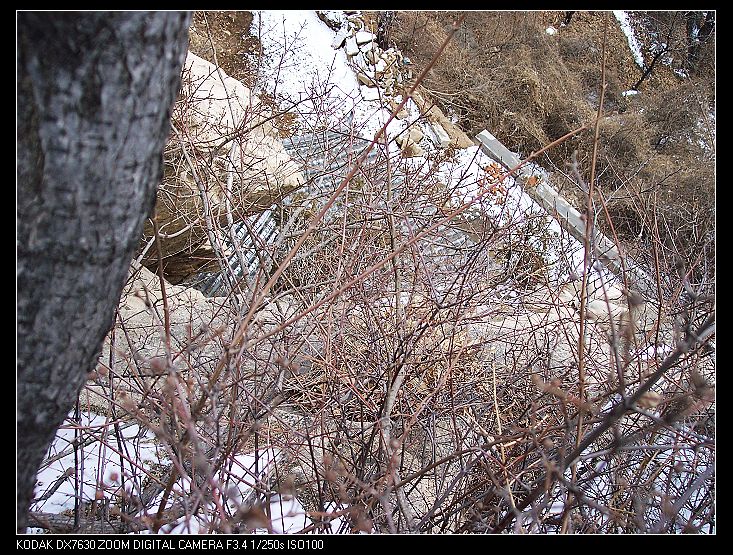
(223,162)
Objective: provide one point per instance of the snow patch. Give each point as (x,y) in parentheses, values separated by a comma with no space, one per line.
(105,467)
(623,20)
(300,63)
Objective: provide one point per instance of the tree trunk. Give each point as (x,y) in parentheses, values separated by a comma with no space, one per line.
(94,96)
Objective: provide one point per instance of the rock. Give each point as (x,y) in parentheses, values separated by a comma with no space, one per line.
(356,21)
(371,56)
(416,135)
(333,18)
(363,37)
(433,114)
(411,150)
(340,38)
(369,93)
(412,134)
(570,293)
(394,103)
(408,145)
(388,77)
(366,80)
(438,134)
(255,168)
(352,49)
(600,310)
(389,56)
(613,292)
(366,47)
(190,313)
(362,65)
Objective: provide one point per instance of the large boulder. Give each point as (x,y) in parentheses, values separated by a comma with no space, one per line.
(224,160)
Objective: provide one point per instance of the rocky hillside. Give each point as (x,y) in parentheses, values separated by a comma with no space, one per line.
(418,347)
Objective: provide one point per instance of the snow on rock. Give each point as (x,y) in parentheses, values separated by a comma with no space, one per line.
(389,66)
(333,18)
(340,38)
(623,20)
(352,48)
(219,105)
(301,68)
(369,93)
(363,37)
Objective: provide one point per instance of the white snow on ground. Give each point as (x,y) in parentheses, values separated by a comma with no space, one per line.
(103,468)
(289,517)
(102,476)
(668,444)
(623,20)
(551,30)
(299,61)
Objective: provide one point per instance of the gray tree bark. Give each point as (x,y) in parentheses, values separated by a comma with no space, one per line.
(94,97)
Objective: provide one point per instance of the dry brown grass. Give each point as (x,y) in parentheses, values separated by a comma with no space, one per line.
(506,74)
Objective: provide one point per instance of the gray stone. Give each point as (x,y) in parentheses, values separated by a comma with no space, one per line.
(441,138)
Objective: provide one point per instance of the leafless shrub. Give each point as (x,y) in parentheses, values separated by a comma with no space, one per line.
(402,364)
